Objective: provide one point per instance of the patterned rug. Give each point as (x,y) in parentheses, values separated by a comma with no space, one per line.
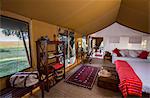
(85,76)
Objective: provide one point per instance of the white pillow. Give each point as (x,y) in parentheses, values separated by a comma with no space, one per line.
(133,53)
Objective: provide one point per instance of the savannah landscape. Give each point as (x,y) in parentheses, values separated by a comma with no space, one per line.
(12,57)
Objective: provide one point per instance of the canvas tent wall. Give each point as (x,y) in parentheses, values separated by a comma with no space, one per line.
(119,36)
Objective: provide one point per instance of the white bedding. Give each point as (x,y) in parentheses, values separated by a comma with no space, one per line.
(142,69)
(129,59)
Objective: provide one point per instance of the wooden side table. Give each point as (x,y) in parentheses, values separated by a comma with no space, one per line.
(107,56)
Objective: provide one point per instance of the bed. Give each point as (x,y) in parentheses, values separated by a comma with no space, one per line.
(142,69)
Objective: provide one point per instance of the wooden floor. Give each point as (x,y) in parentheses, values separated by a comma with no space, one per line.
(65,90)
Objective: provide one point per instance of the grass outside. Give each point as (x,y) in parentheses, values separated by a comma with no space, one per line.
(12,60)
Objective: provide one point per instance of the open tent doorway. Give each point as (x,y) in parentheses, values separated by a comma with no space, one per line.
(97,46)
(68,38)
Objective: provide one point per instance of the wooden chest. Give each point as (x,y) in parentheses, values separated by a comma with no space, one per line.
(111,82)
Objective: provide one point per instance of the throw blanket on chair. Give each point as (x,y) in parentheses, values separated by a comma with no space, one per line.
(130,84)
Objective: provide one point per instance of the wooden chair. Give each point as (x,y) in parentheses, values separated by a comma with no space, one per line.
(88,57)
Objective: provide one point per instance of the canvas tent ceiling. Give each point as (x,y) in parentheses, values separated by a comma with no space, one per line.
(83,16)
(134,13)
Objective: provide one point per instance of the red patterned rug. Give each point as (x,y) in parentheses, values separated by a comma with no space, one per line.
(85,76)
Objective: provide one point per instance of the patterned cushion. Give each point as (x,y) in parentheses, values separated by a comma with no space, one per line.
(126,52)
(133,53)
(122,53)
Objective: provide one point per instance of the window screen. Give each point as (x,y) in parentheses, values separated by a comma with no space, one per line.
(14,46)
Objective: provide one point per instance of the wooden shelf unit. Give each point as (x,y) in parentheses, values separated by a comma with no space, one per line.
(46,68)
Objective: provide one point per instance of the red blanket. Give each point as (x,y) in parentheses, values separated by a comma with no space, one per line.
(130,84)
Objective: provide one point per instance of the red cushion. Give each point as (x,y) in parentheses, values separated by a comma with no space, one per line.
(117,52)
(58,65)
(143,55)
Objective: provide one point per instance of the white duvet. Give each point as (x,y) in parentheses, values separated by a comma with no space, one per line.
(142,69)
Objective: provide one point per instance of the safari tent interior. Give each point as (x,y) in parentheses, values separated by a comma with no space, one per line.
(74,48)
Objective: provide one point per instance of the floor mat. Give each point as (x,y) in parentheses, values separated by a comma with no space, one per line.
(85,76)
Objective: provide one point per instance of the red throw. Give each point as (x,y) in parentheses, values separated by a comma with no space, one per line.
(130,84)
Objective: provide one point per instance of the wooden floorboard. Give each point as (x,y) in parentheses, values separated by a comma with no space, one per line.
(65,90)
